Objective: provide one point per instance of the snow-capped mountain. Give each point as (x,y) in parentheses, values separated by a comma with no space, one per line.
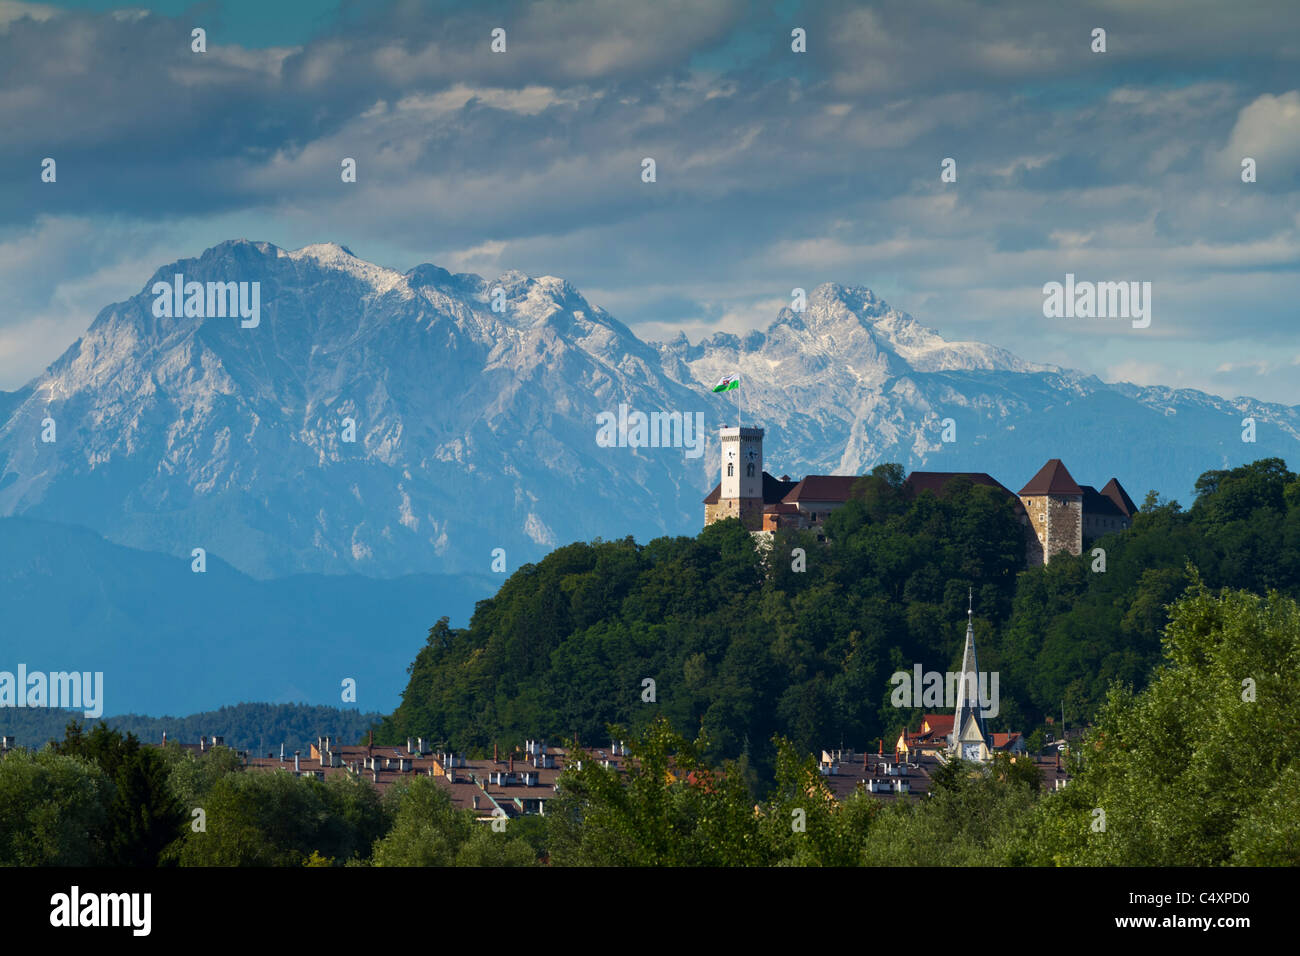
(475,404)
(474,429)
(850,383)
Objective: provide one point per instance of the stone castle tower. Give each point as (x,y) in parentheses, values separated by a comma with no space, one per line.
(1054,503)
(741,492)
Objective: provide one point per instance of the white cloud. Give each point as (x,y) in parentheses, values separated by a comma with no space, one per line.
(1268,131)
(10,10)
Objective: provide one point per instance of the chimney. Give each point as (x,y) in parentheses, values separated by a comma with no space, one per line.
(496,757)
(419,742)
(410,745)
(296,754)
(512,761)
(6,743)
(203,743)
(218,741)
(281,751)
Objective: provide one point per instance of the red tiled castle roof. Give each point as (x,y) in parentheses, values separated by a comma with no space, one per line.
(1116,493)
(822,488)
(937,481)
(1052,479)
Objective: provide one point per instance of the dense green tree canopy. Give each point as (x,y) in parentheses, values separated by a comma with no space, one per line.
(1201,767)
(745,644)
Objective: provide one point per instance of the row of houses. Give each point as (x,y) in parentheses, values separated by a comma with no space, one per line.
(521,782)
(514,784)
(909,774)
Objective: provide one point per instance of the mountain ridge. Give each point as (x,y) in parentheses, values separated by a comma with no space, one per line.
(475,429)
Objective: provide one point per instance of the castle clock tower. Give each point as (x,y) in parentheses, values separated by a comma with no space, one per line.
(742,476)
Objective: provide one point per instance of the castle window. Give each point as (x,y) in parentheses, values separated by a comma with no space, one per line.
(749,470)
(731,469)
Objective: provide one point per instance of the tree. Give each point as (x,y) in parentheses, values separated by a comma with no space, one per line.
(53,809)
(1193,770)
(144,815)
(973,817)
(278,819)
(428,830)
(667,809)
(804,823)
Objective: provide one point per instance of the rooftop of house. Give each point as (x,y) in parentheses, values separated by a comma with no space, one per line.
(851,770)
(939,724)
(479,785)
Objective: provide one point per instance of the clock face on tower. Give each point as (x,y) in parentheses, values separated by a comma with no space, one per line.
(971,751)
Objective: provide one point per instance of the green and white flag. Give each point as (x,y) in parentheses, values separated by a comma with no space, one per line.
(727,383)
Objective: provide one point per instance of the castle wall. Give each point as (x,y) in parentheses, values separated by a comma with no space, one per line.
(1033,546)
(1094,526)
(748,510)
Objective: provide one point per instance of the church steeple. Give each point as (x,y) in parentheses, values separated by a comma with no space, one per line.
(970,737)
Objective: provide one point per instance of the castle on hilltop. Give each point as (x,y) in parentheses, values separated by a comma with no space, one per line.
(1062,515)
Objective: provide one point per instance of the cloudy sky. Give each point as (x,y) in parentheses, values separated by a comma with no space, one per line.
(775,169)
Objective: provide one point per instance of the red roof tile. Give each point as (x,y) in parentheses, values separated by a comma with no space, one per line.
(937,482)
(1116,493)
(1097,504)
(940,724)
(822,488)
(1052,479)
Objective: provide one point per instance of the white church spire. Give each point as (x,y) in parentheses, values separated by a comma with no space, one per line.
(970,737)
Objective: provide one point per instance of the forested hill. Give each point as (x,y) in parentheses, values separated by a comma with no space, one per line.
(247,726)
(746,647)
